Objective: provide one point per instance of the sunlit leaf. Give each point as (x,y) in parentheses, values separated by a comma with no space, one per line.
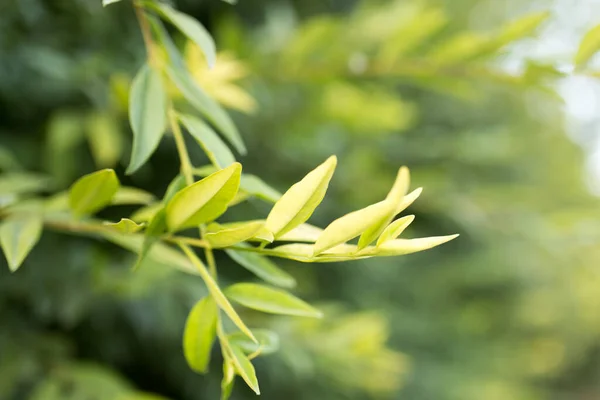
(130,195)
(18,236)
(302,233)
(204,200)
(270,300)
(93,192)
(216,292)
(228,379)
(145,214)
(229,237)
(190,27)
(301,200)
(590,44)
(395,229)
(207,106)
(125,225)
(217,151)
(268,341)
(351,225)
(522,27)
(244,367)
(262,267)
(147,115)
(200,333)
(398,247)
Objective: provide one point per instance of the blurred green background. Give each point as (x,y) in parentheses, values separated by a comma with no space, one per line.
(467,93)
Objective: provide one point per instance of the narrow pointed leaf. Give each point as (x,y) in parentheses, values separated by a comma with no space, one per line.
(217,151)
(395,229)
(216,292)
(190,27)
(93,192)
(589,45)
(244,367)
(125,225)
(211,110)
(205,200)
(401,185)
(228,380)
(18,236)
(398,247)
(262,267)
(229,237)
(408,200)
(301,200)
(147,115)
(302,233)
(270,300)
(268,341)
(200,333)
(351,225)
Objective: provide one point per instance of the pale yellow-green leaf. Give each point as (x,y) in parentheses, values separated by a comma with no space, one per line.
(229,237)
(351,225)
(93,192)
(408,200)
(200,333)
(301,200)
(302,233)
(395,229)
(18,236)
(131,195)
(462,47)
(304,253)
(270,300)
(262,267)
(145,214)
(105,139)
(590,44)
(216,150)
(244,367)
(147,115)
(398,247)
(522,27)
(401,185)
(228,379)
(268,341)
(204,200)
(216,292)
(125,225)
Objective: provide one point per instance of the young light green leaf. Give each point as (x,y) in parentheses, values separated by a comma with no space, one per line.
(216,292)
(228,380)
(351,225)
(217,151)
(301,200)
(522,27)
(204,200)
(200,333)
(108,2)
(268,341)
(304,253)
(145,214)
(147,115)
(395,229)
(211,110)
(229,237)
(270,300)
(244,367)
(401,185)
(125,225)
(18,236)
(93,192)
(262,267)
(190,27)
(255,186)
(398,247)
(590,44)
(131,195)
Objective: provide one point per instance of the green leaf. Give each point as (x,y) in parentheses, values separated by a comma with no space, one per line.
(211,110)
(109,2)
(268,341)
(204,200)
(14,183)
(395,229)
(93,192)
(131,195)
(255,186)
(589,45)
(125,225)
(18,236)
(104,138)
(229,237)
(399,247)
(217,151)
(262,267)
(401,185)
(522,27)
(228,379)
(301,200)
(216,292)
(156,227)
(351,225)
(302,233)
(191,28)
(269,300)
(147,115)
(145,214)
(244,367)
(200,333)
(178,183)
